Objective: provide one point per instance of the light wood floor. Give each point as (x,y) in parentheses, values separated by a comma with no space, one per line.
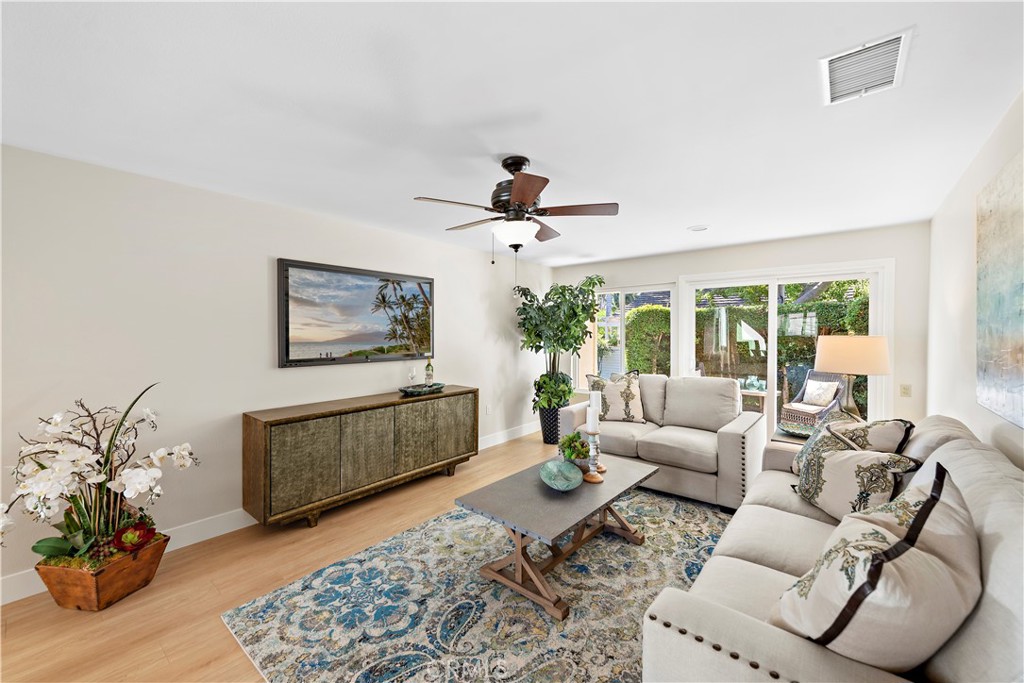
(171,630)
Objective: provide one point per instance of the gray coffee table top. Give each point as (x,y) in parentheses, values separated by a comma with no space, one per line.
(526,504)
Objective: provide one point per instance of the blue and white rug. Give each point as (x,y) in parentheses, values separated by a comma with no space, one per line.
(415,608)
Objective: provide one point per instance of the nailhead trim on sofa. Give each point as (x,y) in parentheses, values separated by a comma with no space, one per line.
(716,647)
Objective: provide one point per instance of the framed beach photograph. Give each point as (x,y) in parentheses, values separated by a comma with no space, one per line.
(332,314)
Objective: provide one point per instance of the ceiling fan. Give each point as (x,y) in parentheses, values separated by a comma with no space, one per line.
(518,203)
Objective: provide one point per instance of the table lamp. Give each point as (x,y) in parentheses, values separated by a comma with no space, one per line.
(852,355)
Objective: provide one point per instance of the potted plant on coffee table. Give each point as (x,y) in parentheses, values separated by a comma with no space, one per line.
(554,325)
(575,449)
(78,475)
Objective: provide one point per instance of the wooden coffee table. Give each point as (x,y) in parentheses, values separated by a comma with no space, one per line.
(529,509)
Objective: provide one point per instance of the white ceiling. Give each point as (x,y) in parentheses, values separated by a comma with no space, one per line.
(683,113)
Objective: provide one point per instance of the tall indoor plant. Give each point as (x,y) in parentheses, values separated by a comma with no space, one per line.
(78,475)
(553,325)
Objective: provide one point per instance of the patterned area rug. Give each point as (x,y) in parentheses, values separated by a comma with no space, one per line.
(415,608)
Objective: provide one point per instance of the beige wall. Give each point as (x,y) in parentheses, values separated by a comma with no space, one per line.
(907,244)
(113,280)
(952,325)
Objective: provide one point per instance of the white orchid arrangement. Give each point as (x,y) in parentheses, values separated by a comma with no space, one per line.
(82,468)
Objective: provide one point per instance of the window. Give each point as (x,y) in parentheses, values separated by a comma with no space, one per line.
(633,331)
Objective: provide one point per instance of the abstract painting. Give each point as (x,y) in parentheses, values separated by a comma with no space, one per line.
(1001,293)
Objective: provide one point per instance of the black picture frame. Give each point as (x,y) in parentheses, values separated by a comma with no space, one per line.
(291,271)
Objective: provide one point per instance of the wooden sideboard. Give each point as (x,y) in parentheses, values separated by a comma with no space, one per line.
(300,460)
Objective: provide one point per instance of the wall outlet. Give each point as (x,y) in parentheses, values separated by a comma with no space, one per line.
(904,391)
(487,409)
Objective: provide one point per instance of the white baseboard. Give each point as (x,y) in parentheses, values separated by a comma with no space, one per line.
(514,433)
(25,583)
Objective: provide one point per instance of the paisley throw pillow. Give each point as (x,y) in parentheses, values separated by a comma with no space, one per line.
(821,440)
(890,436)
(841,482)
(911,566)
(620,397)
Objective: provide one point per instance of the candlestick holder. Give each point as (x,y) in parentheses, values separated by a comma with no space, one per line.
(593,476)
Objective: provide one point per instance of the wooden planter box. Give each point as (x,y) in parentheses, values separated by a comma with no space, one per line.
(96,590)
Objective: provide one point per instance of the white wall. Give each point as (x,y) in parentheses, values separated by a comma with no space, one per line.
(907,244)
(113,280)
(952,342)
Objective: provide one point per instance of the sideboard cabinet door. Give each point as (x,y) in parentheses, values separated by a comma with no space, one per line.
(367,447)
(416,435)
(456,426)
(304,463)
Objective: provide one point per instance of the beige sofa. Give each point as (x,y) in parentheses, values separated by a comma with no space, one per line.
(695,431)
(718,630)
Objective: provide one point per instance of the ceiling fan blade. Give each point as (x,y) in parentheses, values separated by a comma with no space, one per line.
(545,232)
(611,209)
(448,201)
(475,223)
(526,188)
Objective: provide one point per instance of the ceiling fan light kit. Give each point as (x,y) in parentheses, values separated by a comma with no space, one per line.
(514,234)
(518,202)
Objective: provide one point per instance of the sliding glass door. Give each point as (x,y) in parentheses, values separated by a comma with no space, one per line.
(761,328)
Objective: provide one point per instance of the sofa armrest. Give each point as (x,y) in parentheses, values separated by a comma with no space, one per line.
(570,417)
(740,444)
(778,455)
(687,638)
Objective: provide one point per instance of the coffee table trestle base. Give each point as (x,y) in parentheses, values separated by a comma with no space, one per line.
(520,573)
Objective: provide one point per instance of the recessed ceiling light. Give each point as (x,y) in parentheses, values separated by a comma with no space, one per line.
(698,228)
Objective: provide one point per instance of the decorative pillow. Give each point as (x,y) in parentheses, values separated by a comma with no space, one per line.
(620,397)
(841,482)
(821,440)
(890,436)
(893,583)
(819,393)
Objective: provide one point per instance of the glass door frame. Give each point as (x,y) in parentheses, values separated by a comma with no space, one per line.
(674,363)
(881,273)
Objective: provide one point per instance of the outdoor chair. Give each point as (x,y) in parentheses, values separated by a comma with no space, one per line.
(799,418)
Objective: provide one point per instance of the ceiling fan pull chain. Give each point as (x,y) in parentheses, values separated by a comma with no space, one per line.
(492,248)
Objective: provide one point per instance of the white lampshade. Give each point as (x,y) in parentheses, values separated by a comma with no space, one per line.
(515,232)
(852,355)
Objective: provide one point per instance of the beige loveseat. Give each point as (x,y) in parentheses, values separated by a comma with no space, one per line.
(695,431)
(718,630)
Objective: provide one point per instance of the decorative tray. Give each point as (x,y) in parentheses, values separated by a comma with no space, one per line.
(421,389)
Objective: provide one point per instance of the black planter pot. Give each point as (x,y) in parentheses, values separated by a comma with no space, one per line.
(549,424)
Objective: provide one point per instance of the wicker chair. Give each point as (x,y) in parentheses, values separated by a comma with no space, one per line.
(800,419)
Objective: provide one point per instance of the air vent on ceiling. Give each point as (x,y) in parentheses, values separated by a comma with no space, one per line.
(867,69)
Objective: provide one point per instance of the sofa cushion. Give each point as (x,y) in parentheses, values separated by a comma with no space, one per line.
(743,586)
(620,438)
(932,432)
(888,436)
(841,482)
(781,540)
(774,489)
(821,439)
(690,449)
(707,403)
(652,392)
(893,583)
(620,397)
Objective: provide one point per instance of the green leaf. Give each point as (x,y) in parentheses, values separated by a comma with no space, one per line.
(52,547)
(85,546)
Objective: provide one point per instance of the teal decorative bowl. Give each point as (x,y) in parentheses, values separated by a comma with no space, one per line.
(561,475)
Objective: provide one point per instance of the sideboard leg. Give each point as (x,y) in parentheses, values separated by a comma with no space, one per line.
(450,470)
(312,518)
